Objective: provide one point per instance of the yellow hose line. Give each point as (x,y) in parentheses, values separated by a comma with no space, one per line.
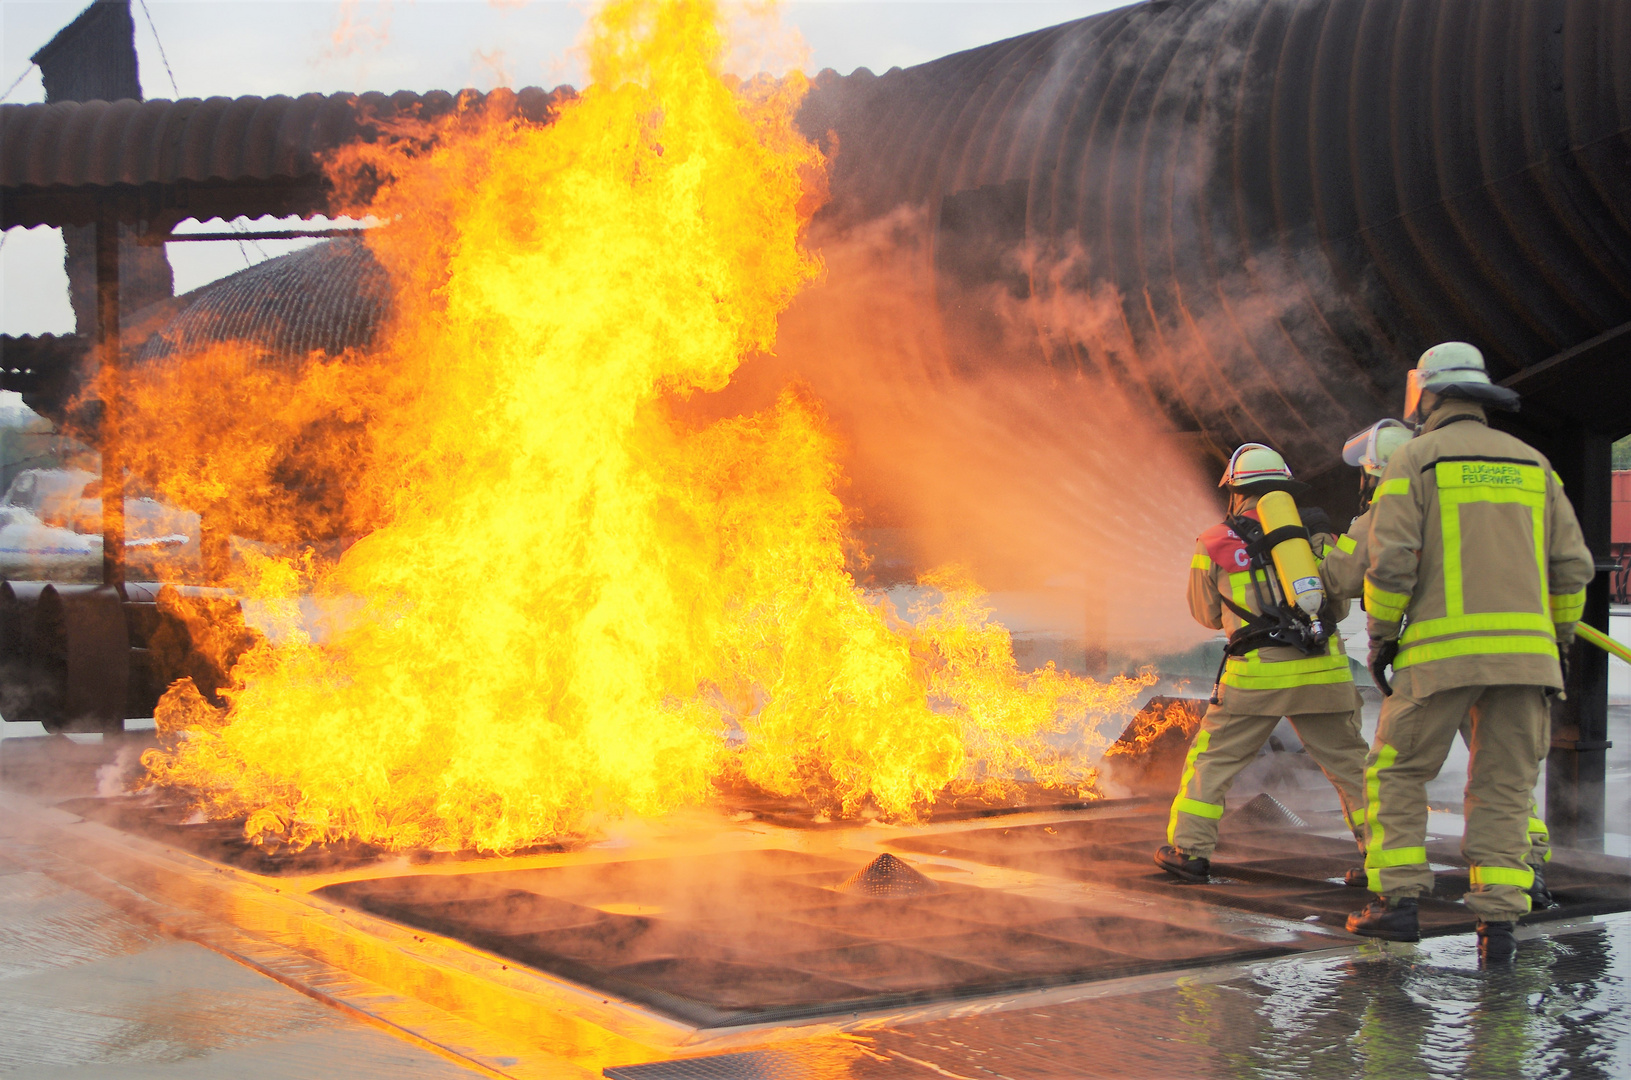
(1603,641)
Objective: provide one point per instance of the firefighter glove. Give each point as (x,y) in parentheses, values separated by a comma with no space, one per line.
(1382,653)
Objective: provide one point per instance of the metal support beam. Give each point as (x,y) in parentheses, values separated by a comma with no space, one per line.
(1576,765)
(110,380)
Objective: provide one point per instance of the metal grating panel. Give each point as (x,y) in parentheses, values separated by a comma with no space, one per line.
(756,1065)
(1280,871)
(760,936)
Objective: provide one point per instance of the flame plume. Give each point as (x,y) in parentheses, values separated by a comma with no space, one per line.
(576,601)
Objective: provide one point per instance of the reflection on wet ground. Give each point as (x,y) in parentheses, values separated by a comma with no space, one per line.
(1561,1010)
(86,992)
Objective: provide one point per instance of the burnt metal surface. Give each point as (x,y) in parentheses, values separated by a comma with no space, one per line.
(174,822)
(1561,1009)
(1281,871)
(762,936)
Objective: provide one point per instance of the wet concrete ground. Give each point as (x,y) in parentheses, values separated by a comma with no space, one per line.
(88,990)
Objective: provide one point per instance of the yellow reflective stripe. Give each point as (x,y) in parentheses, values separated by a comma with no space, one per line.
(1501,875)
(1347,543)
(1463,482)
(1557,479)
(1198,808)
(1538,833)
(1201,562)
(1569,607)
(1387,606)
(1399,485)
(1203,739)
(1283,682)
(1238,582)
(1464,624)
(1357,818)
(1487,645)
(1374,856)
(1404,856)
(1252,672)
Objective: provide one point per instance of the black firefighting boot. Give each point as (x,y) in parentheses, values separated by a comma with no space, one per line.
(1540,897)
(1393,920)
(1356,878)
(1183,867)
(1496,945)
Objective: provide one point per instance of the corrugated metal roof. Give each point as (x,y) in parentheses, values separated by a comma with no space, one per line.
(331,296)
(252,142)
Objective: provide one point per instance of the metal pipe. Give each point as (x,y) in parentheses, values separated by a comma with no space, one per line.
(107,344)
(276,234)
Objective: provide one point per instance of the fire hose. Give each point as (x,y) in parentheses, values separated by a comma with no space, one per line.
(1603,641)
(1584,630)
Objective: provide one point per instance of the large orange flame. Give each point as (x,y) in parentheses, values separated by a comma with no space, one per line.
(577,602)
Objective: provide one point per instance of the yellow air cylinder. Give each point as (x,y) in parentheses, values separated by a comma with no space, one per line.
(1293,559)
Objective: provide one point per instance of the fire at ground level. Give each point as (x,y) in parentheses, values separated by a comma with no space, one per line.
(1032,944)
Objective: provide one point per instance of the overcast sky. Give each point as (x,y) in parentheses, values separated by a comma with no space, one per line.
(236,47)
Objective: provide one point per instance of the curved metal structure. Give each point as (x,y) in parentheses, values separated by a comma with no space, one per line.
(331,296)
(1290,199)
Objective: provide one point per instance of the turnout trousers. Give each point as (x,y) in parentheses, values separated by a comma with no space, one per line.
(1510,729)
(1540,838)
(1226,743)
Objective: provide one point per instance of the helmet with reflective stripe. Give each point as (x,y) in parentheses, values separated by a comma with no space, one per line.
(1255,469)
(1453,369)
(1371,448)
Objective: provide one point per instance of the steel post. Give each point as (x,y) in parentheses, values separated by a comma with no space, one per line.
(1577,762)
(110,380)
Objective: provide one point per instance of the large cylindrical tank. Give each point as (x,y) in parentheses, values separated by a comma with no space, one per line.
(1288,199)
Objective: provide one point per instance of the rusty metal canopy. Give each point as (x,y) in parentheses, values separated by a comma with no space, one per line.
(164,161)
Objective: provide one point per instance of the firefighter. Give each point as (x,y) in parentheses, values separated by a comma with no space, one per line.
(1259,683)
(1342,571)
(1343,565)
(1477,576)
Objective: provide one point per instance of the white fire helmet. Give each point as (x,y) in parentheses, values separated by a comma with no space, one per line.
(1370,449)
(1255,469)
(1453,369)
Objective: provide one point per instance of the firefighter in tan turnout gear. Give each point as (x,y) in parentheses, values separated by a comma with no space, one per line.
(1282,660)
(1343,573)
(1477,575)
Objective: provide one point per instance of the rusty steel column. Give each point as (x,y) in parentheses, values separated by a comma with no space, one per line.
(111,381)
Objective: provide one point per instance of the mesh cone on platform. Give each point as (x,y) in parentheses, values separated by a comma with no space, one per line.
(887,876)
(1266,812)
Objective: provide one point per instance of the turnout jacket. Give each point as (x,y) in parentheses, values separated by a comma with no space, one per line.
(1276,680)
(1343,564)
(1477,565)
